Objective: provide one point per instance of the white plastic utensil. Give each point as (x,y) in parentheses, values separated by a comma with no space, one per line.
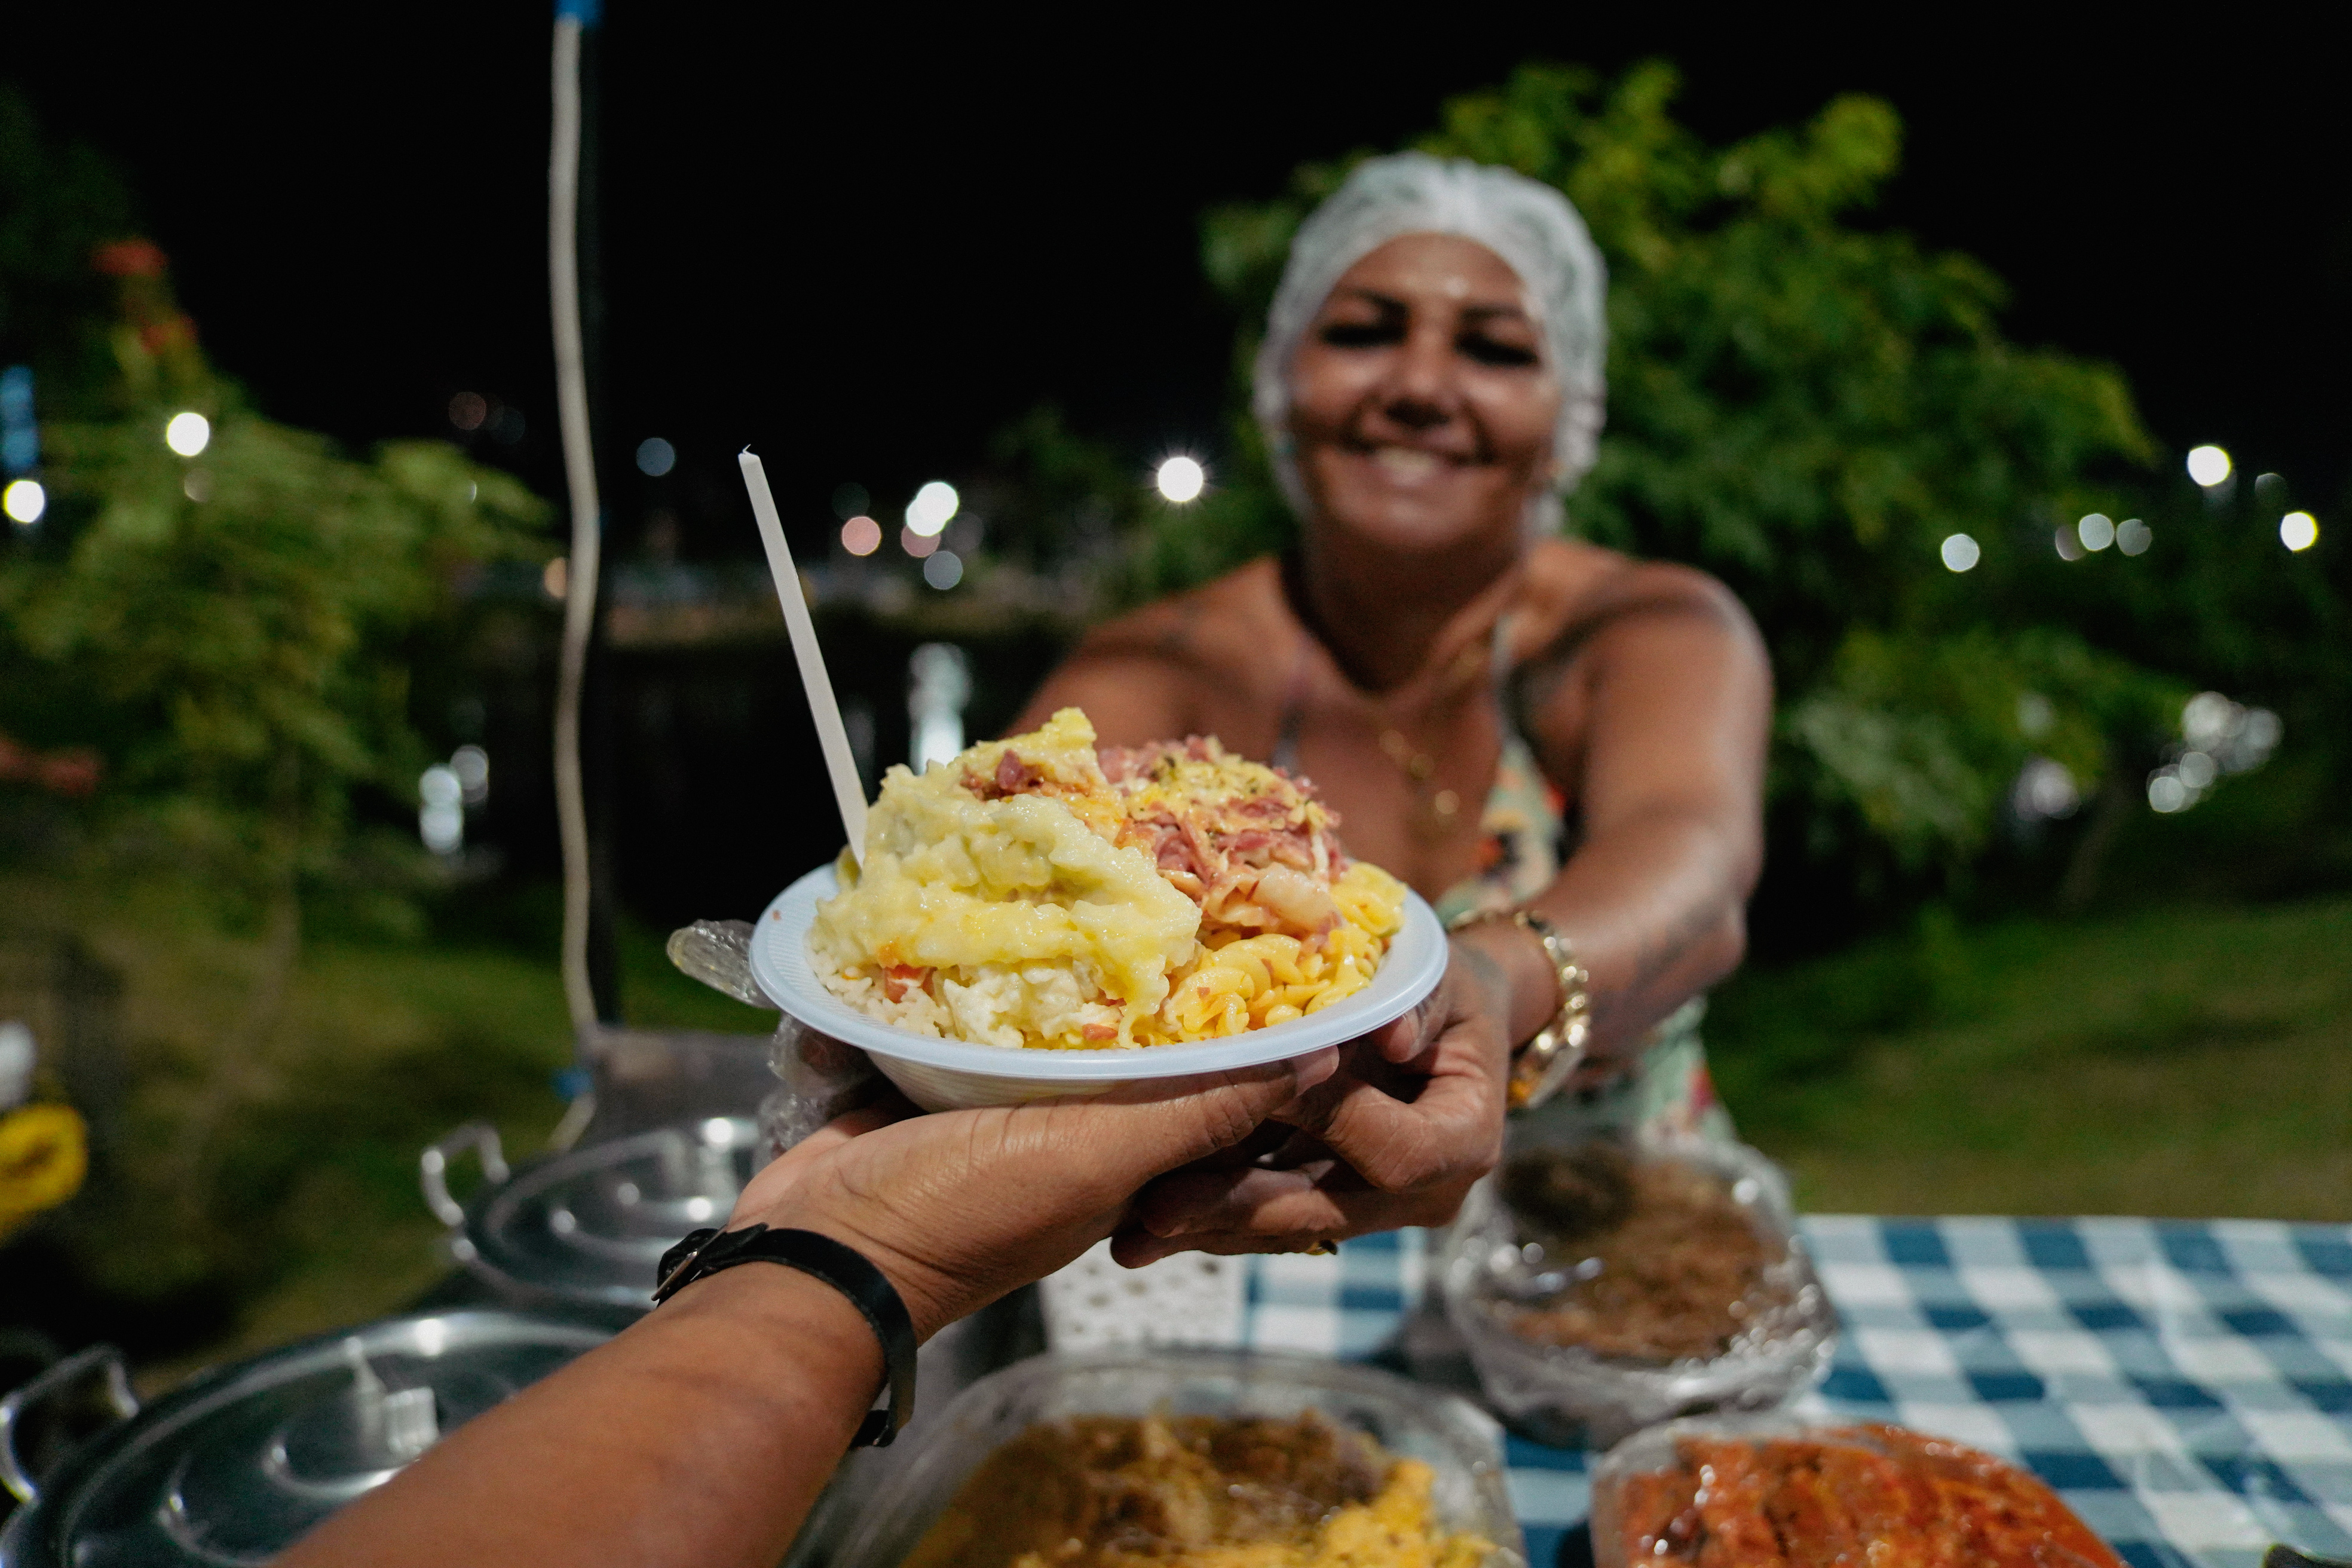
(848,793)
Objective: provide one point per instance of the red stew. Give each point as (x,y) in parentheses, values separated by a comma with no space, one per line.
(1872,1494)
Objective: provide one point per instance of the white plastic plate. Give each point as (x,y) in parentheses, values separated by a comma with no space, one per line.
(941,1074)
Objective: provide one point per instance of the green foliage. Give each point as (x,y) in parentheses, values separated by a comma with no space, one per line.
(227,628)
(1807,407)
(57,203)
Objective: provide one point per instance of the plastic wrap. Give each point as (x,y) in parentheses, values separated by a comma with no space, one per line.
(1496,1268)
(1459,1443)
(1851,1493)
(822,1078)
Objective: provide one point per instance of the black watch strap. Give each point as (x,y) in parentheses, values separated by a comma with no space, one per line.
(705,1252)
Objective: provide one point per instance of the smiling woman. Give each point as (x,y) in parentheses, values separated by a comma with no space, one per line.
(1560,746)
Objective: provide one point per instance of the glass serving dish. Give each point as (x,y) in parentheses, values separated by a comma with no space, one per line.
(1503,1273)
(1844,1494)
(1460,1443)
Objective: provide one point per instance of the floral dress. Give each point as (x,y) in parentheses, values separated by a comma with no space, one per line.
(1664,1089)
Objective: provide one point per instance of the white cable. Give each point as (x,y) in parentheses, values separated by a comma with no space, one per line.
(580,476)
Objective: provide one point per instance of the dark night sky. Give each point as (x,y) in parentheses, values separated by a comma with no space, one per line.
(863,251)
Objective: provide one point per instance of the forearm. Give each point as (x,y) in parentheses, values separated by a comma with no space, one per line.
(700,1436)
(1652,906)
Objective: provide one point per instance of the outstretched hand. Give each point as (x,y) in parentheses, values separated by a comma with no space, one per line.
(961,1206)
(1396,1136)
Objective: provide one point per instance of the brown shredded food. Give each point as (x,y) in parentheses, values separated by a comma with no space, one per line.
(1160,1491)
(1670,1266)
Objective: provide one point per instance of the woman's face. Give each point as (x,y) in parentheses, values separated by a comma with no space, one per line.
(1422,404)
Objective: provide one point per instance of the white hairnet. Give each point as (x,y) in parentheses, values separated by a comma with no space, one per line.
(1529,225)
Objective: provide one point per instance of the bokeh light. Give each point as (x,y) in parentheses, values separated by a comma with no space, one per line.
(440,819)
(2133,537)
(2209,466)
(556,578)
(2070,545)
(188,433)
(932,506)
(469,409)
(2097,531)
(472,766)
(2298,531)
(1181,479)
(656,456)
(944,569)
(918,545)
(861,536)
(2166,792)
(24,501)
(2045,789)
(1960,552)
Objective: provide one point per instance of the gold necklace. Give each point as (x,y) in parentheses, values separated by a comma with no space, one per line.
(1420,767)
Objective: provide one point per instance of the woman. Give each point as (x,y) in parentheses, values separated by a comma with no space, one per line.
(1431,384)
(1474,694)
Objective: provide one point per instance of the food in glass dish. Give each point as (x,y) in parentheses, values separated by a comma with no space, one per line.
(1603,1286)
(1648,1258)
(1195,1491)
(1040,893)
(1863,1494)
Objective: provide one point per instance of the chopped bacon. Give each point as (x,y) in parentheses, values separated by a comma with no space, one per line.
(900,981)
(1251,843)
(1098,1031)
(1013,777)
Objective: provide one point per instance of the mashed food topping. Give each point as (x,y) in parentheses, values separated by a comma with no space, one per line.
(1035,892)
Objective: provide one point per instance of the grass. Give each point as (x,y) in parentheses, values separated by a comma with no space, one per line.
(299,1209)
(2183,1060)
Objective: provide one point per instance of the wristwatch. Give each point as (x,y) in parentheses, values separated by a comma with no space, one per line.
(705,1252)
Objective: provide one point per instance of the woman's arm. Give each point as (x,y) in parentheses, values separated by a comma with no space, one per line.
(1655,705)
(1656,702)
(701,1434)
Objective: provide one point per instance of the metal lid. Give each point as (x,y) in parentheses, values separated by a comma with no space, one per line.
(590,1225)
(235,1465)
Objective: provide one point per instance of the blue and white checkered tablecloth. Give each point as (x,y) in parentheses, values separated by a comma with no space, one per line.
(2186,1387)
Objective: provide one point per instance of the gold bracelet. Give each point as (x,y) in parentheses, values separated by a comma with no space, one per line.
(1543,1064)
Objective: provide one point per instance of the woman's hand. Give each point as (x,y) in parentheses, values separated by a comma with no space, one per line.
(961,1206)
(1395,1137)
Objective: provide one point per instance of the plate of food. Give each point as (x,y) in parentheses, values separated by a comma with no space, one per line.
(1041,916)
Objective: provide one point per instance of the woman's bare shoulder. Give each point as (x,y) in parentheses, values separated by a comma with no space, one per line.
(1201,630)
(1176,665)
(1573,588)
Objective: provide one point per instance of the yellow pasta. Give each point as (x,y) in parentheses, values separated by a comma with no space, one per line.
(1238,982)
